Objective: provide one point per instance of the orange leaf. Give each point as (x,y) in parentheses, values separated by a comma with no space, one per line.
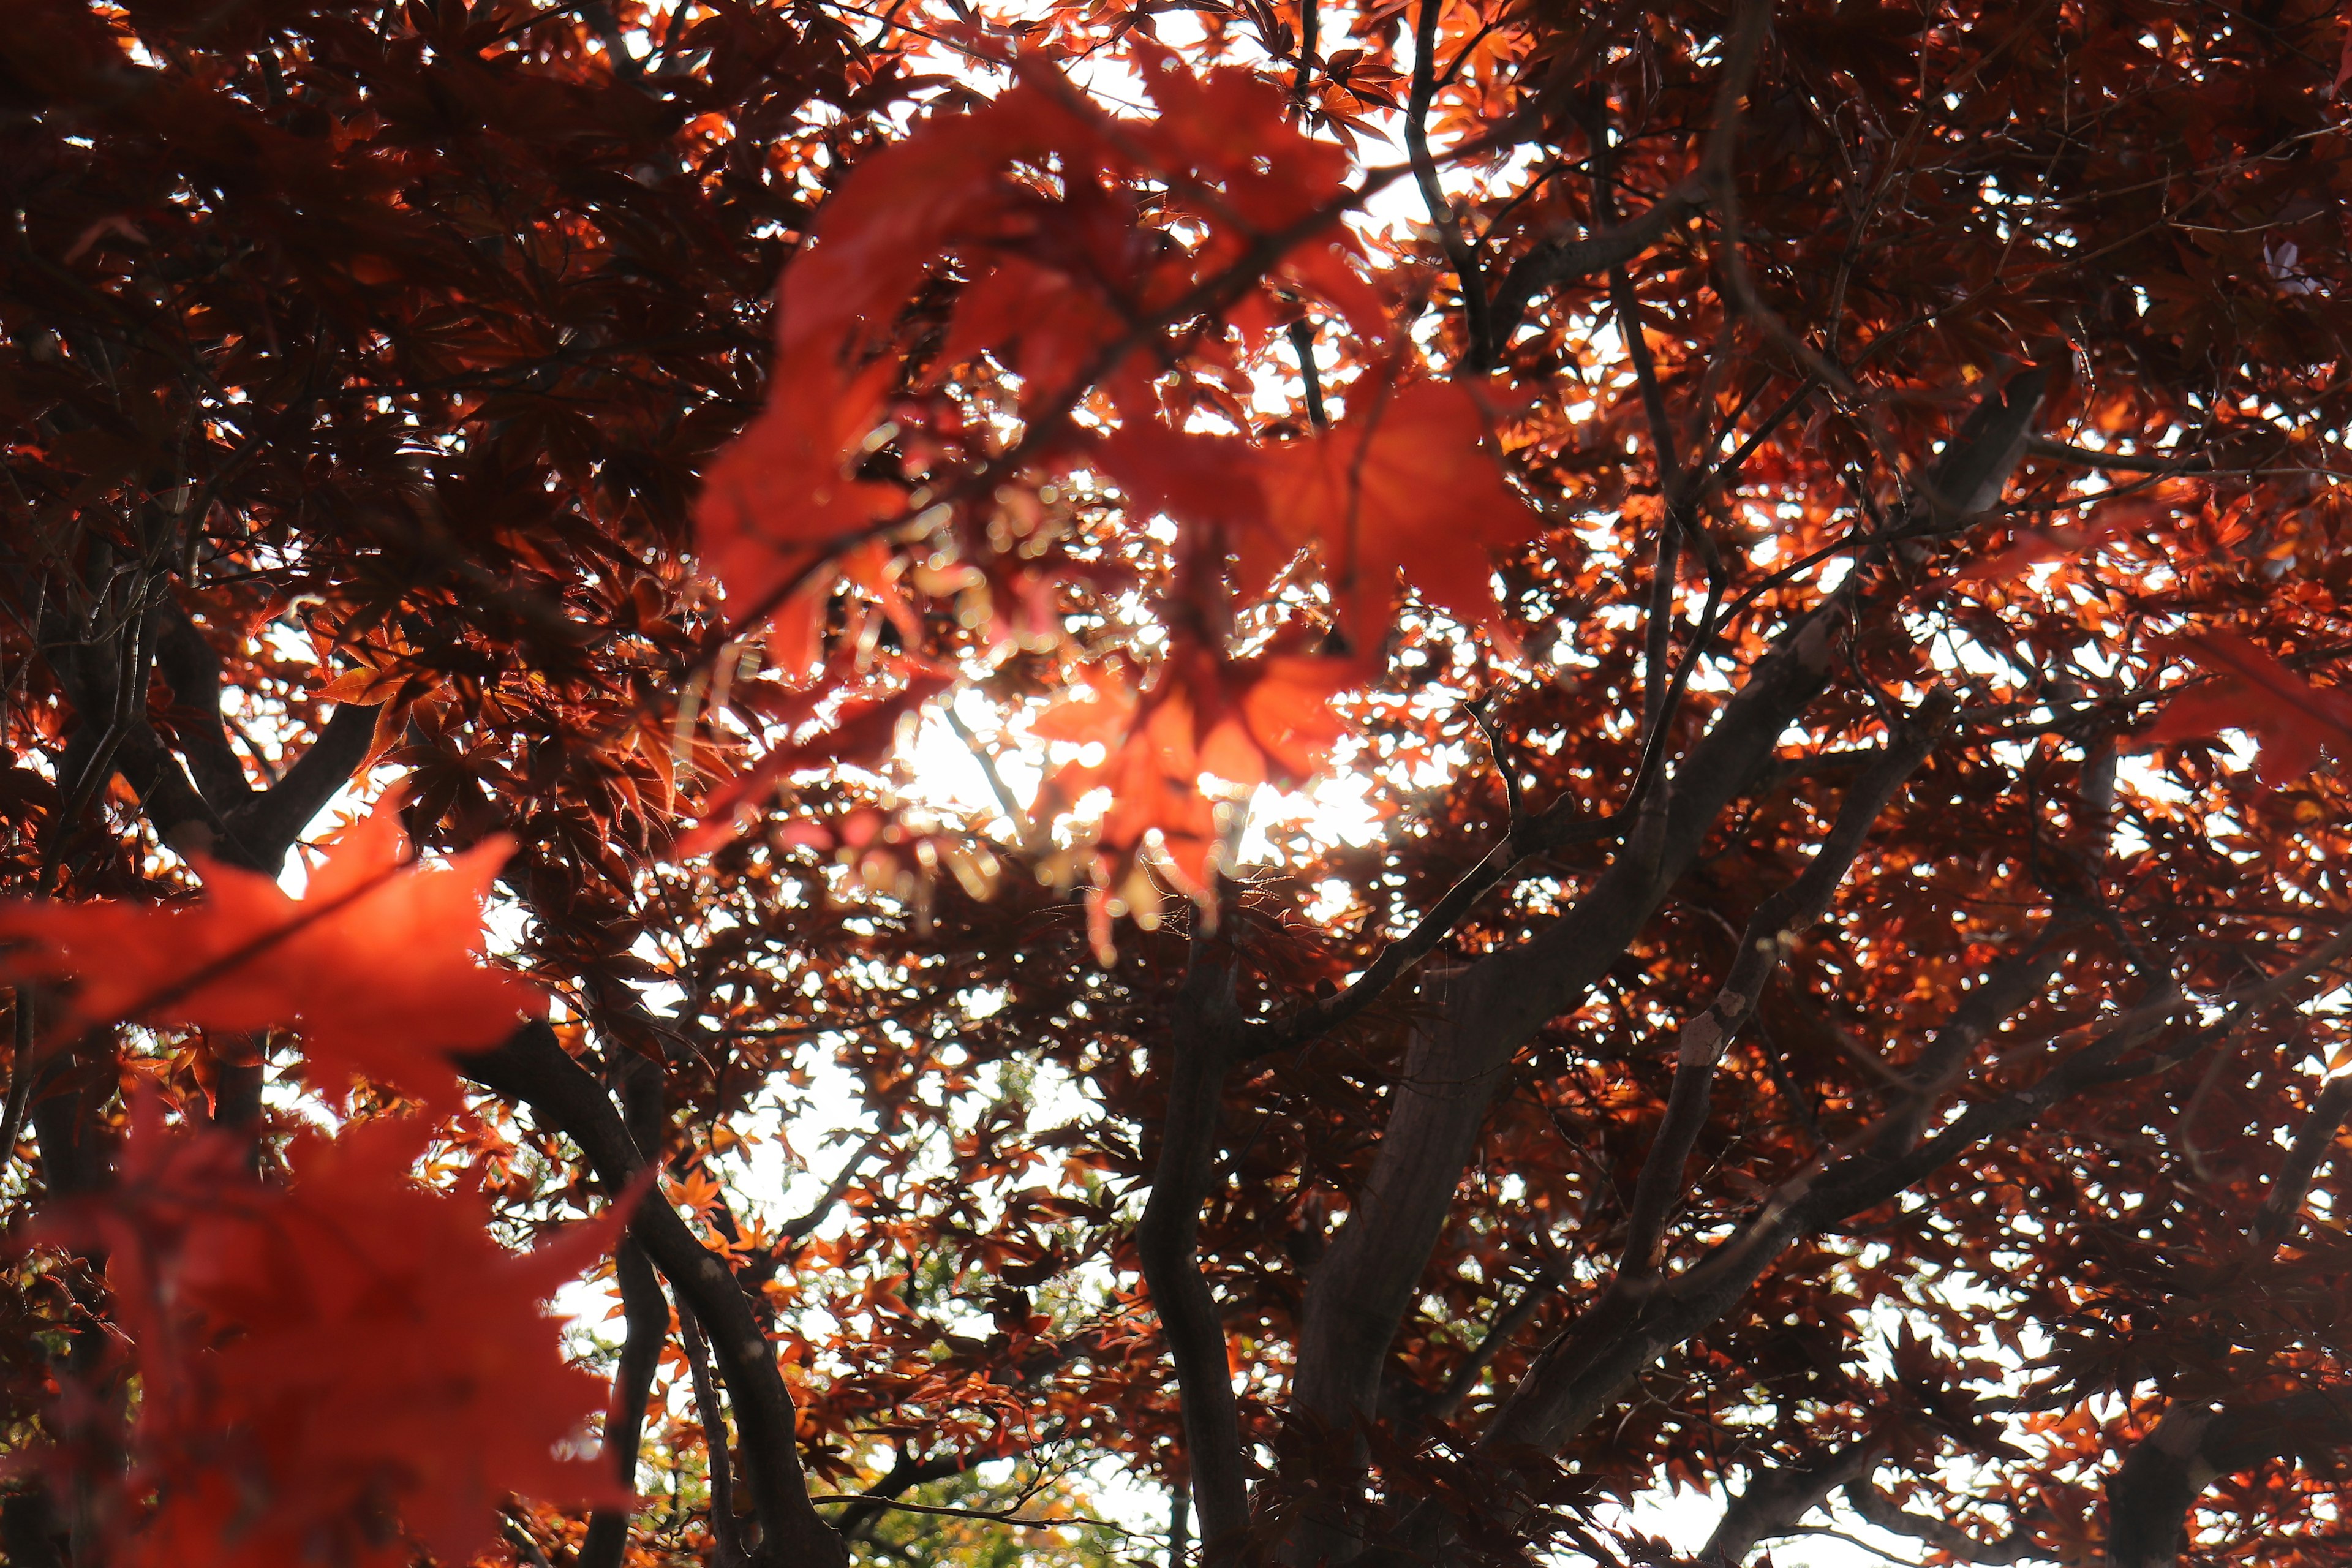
(379,965)
(862,734)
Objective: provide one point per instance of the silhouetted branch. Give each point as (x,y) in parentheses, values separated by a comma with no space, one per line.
(1777,1499)
(1946,1536)
(645,1313)
(2193,1445)
(2283,1206)
(532,1067)
(1166,1240)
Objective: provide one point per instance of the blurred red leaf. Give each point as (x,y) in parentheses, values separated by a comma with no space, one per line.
(379,965)
(1407,481)
(2292,720)
(862,733)
(317,1358)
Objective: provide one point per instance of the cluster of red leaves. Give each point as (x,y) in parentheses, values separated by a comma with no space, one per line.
(1037,200)
(1408,483)
(1060,278)
(862,729)
(334,1370)
(326,1365)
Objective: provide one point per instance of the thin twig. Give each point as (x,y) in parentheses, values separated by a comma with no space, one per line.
(1500,750)
(1307,21)
(1302,339)
(1023,829)
(992,1518)
(21,1074)
(1461,251)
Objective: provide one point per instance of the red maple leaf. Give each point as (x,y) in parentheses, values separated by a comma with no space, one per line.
(2291,719)
(329,1364)
(379,965)
(1406,482)
(783,493)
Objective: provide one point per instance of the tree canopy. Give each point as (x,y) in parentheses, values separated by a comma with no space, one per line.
(1454,778)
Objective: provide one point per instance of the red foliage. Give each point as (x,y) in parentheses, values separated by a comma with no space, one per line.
(342,1368)
(2252,691)
(1590,864)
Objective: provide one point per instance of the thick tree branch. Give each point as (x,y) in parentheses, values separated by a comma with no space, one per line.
(645,1315)
(2192,1446)
(190,667)
(1798,663)
(2282,1208)
(1562,259)
(1200,1047)
(1777,1498)
(1302,343)
(206,806)
(1969,476)
(272,820)
(1592,1364)
(1476,1020)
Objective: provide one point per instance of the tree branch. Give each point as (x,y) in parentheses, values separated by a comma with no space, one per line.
(1200,1046)
(1302,343)
(727,1550)
(645,1313)
(2191,1447)
(1461,251)
(1762,946)
(190,667)
(226,818)
(1946,1536)
(904,1474)
(1777,1498)
(2121,462)
(2283,1209)
(1666,560)
(272,820)
(1590,1365)
(1440,1405)
(533,1069)
(1561,260)
(1974,467)
(1474,1026)
(1780,686)
(993,1517)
